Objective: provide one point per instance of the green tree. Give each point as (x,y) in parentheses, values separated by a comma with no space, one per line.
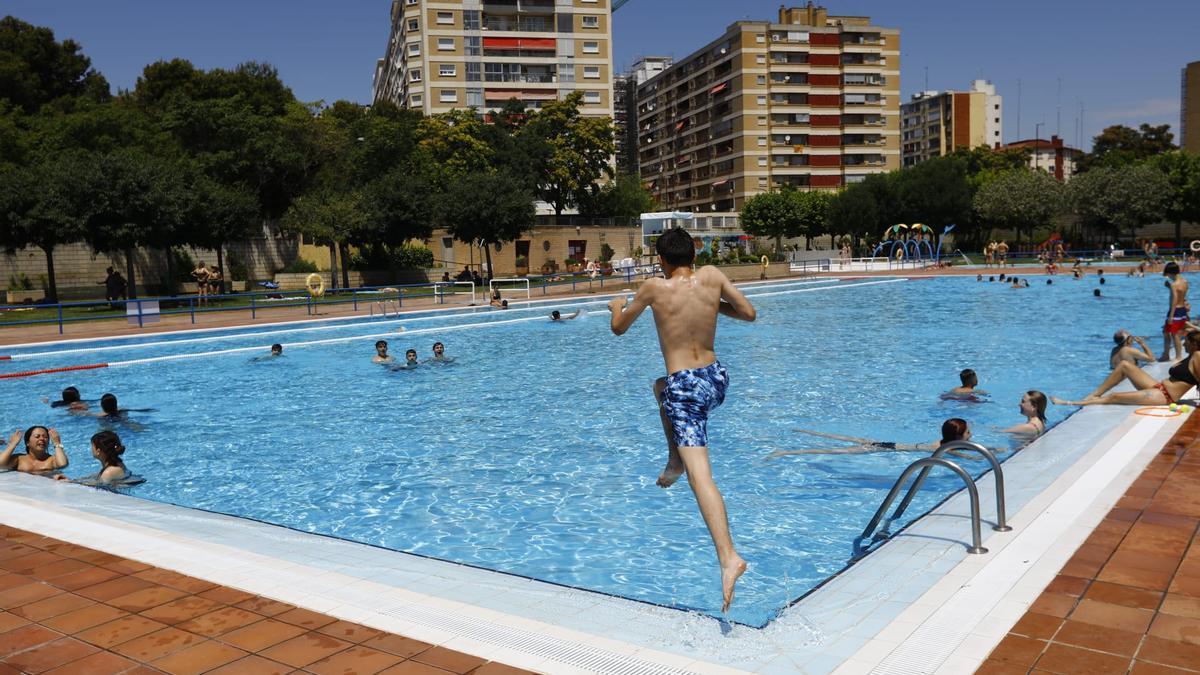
(1120,145)
(488,208)
(812,207)
(454,142)
(45,205)
(625,198)
(771,214)
(36,70)
(580,150)
(935,193)
(1183,172)
(219,215)
(1020,200)
(1120,200)
(853,211)
(330,218)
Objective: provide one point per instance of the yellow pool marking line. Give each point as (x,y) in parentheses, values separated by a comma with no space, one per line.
(252,334)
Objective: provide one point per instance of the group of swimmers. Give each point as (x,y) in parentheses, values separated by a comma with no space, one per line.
(410,356)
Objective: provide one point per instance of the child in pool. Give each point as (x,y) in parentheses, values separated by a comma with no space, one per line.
(106,447)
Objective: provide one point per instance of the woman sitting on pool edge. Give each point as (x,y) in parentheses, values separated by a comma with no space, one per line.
(1180,379)
(953,429)
(106,447)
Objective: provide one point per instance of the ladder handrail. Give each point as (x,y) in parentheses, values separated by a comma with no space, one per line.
(929,462)
(1001,522)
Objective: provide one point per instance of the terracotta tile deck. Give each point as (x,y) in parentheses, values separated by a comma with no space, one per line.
(1129,599)
(68,609)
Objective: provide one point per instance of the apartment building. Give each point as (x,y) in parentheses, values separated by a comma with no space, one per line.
(625,107)
(443,55)
(934,123)
(1053,156)
(1189,108)
(809,100)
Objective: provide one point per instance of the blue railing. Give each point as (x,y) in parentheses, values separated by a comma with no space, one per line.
(141,309)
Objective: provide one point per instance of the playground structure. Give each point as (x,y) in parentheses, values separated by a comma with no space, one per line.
(909,242)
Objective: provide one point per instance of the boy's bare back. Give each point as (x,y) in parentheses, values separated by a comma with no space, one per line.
(685,312)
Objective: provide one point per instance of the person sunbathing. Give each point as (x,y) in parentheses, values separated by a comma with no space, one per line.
(1180,379)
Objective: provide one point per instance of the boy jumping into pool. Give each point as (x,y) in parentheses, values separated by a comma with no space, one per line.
(686,304)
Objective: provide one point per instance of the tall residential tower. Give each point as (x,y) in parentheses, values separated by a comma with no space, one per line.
(809,100)
(934,123)
(1189,108)
(444,54)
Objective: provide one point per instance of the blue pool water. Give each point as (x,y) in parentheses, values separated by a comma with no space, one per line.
(535,452)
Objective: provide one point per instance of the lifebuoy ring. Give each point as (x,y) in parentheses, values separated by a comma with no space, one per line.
(1195,246)
(315,284)
(766,262)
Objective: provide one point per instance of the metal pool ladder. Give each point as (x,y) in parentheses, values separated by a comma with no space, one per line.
(383,306)
(925,465)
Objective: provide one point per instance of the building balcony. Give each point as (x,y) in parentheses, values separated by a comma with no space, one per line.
(519,24)
(529,78)
(509,6)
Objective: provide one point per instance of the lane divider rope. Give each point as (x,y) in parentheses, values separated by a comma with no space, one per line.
(46,371)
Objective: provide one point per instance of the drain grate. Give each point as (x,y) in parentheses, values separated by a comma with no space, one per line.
(566,652)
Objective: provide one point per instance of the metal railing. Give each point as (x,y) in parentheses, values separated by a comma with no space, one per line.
(926,463)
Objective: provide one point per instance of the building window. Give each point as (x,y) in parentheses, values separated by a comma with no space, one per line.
(474,97)
(761,58)
(416,100)
(470,19)
(410,2)
(414,75)
(762,120)
(473,45)
(762,182)
(591,48)
(591,97)
(591,72)
(762,161)
(446,44)
(762,100)
(762,141)
(447,70)
(414,25)
(448,96)
(473,75)
(576,248)
(760,38)
(414,49)
(591,22)
(445,18)
(761,79)
(997,120)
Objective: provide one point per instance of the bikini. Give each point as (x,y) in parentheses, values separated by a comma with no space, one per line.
(1180,372)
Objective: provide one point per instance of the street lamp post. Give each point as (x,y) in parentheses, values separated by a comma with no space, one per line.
(1036,143)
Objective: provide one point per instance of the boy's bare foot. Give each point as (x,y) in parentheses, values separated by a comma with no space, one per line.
(729,576)
(671,473)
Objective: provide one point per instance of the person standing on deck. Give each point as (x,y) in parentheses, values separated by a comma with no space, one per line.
(686,304)
(1177,312)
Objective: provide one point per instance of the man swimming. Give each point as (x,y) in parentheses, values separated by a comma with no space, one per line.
(381,355)
(1177,312)
(439,353)
(70,400)
(967,391)
(686,304)
(557,316)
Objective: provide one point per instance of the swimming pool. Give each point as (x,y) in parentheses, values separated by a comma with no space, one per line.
(535,451)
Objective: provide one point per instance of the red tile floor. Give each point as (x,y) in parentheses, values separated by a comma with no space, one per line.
(68,609)
(1129,599)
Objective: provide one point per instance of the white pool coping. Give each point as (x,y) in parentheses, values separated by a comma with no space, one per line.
(919,604)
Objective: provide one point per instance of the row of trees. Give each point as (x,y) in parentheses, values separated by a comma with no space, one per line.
(201,158)
(1133,178)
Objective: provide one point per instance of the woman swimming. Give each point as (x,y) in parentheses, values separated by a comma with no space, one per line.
(1033,407)
(1180,379)
(953,429)
(107,448)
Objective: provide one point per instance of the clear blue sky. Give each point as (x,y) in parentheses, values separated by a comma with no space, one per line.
(1121,60)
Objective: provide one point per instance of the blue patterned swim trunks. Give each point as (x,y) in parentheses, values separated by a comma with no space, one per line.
(688,398)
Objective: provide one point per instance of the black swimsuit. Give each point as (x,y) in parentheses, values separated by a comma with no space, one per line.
(1180,372)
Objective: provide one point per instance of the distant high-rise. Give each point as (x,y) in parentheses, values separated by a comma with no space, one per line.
(625,108)
(934,123)
(1189,109)
(446,54)
(810,101)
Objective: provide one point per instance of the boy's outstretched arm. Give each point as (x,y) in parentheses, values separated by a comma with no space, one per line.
(733,303)
(622,316)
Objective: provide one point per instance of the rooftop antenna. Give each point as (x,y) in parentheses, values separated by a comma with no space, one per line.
(926,78)
(1058,110)
(1018,108)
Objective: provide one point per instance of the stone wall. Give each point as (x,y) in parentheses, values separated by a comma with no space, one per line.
(80,272)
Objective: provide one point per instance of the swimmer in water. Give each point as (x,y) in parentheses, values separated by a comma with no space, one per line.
(70,400)
(276,351)
(36,458)
(381,355)
(557,316)
(439,353)
(967,390)
(953,429)
(107,448)
(111,412)
(1033,407)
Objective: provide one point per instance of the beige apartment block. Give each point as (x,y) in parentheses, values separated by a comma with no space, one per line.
(443,55)
(1189,109)
(808,100)
(934,123)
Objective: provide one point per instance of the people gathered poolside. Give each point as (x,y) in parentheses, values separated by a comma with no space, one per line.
(1180,379)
